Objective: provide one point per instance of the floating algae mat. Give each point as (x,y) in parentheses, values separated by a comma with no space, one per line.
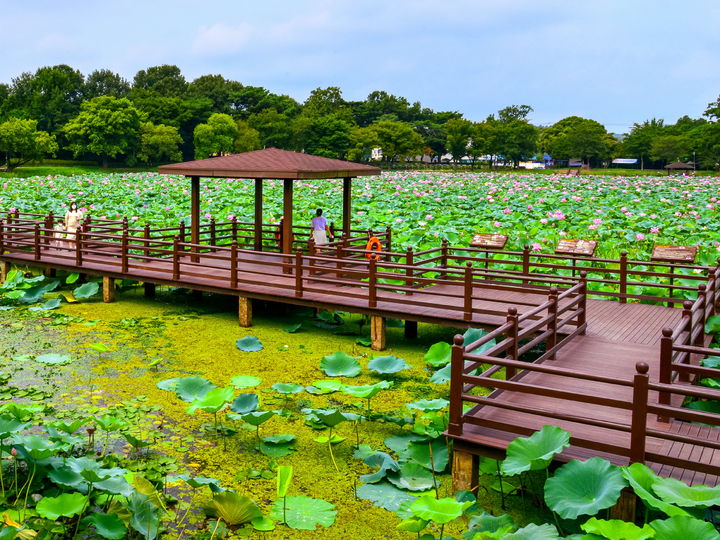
(172,390)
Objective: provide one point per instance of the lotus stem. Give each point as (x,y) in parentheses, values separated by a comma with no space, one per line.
(2,469)
(27,492)
(432,470)
(285,509)
(82,511)
(332,456)
(217,524)
(502,489)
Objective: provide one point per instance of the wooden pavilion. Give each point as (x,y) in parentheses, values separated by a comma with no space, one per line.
(270,163)
(679,166)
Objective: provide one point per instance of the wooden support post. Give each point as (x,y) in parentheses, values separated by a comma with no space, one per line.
(108,289)
(233,229)
(4,271)
(2,237)
(124,262)
(638,428)
(176,259)
(455,426)
(78,247)
(149,290)
(244,311)
(257,234)
(409,272)
(377,333)
(146,243)
(411,329)
(36,230)
(687,314)
(465,471)
(526,263)
(443,257)
(372,283)
(298,274)
(195,213)
(49,272)
(347,204)
(468,293)
(213,234)
(582,318)
(623,277)
(388,240)
(625,507)
(233,264)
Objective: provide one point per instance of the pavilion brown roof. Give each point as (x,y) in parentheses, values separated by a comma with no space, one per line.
(270,163)
(679,165)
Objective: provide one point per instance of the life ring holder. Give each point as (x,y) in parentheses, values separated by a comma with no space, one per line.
(374,248)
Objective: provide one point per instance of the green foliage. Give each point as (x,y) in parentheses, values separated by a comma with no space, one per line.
(439,354)
(159,143)
(191,388)
(86,290)
(67,505)
(615,529)
(583,488)
(684,527)
(641,478)
(674,491)
(387,364)
(535,452)
(438,510)
(249,344)
(232,508)
(21,142)
(244,381)
(216,136)
(340,364)
(304,513)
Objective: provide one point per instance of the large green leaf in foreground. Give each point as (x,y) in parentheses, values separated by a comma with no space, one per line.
(304,513)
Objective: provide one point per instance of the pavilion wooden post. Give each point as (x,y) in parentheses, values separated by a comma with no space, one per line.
(108,289)
(287,223)
(4,271)
(195,213)
(465,471)
(257,244)
(149,289)
(244,311)
(378,336)
(347,206)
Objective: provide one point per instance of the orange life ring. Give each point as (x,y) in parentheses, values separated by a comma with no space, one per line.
(375,246)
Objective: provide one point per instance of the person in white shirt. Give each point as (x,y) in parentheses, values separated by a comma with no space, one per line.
(320,228)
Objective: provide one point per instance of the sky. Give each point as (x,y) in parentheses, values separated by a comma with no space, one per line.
(615,61)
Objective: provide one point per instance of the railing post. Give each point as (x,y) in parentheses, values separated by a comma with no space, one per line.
(372,283)
(467,292)
(639,413)
(124,223)
(49,224)
(623,277)
(443,257)
(233,264)
(525,263)
(665,374)
(36,247)
(124,253)
(176,258)
(233,229)
(409,272)
(146,236)
(582,318)
(552,320)
(2,237)
(298,274)
(181,232)
(78,246)
(457,365)
(312,251)
(212,231)
(339,256)
(388,236)
(691,324)
(512,333)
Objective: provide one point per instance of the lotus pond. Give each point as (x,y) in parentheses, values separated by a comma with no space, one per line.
(422,208)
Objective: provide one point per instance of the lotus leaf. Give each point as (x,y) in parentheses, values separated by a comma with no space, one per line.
(72,278)
(245,403)
(304,513)
(67,505)
(684,527)
(213,401)
(442,375)
(412,524)
(107,525)
(117,485)
(711,361)
(388,364)
(386,464)
(412,477)
(232,508)
(191,388)
(712,324)
(366,391)
(676,492)
(340,364)
(53,303)
(384,495)
(710,405)
(535,452)
(54,359)
(256,418)
(485,522)
(99,347)
(616,529)
(293,328)
(365,341)
(641,478)
(419,452)
(288,388)
(439,354)
(168,384)
(330,417)
(324,387)
(263,524)
(244,381)
(546,531)
(438,510)
(86,290)
(284,477)
(35,446)
(429,404)
(583,488)
(280,445)
(249,344)
(399,443)
(9,425)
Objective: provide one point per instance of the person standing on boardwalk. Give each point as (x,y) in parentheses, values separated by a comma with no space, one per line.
(73,217)
(320,228)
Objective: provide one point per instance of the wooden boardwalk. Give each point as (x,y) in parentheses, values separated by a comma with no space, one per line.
(587,381)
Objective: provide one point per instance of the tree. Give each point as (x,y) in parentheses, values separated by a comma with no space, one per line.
(639,141)
(21,142)
(247,138)
(51,96)
(103,82)
(166,80)
(576,137)
(458,133)
(213,87)
(362,141)
(216,137)
(327,135)
(704,141)
(324,101)
(483,141)
(398,140)
(159,143)
(274,128)
(106,127)
(713,110)
(668,148)
(514,112)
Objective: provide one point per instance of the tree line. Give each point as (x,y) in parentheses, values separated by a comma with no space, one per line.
(161,117)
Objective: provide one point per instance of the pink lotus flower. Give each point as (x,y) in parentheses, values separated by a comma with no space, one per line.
(639,237)
(536,246)
(654,230)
